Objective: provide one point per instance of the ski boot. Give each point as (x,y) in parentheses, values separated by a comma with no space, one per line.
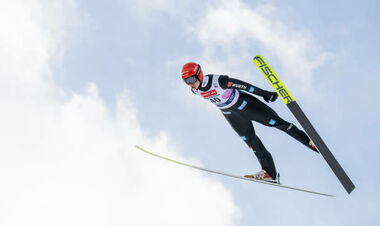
(263,175)
(312,146)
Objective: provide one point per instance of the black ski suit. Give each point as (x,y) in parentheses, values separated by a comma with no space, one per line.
(241,108)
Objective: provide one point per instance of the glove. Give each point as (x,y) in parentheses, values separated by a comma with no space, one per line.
(270,96)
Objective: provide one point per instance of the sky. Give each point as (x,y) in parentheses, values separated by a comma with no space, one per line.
(83,82)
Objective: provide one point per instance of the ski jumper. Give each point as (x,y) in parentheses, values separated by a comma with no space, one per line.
(234,98)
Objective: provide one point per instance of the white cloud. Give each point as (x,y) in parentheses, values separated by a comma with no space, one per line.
(149,9)
(68,160)
(232,33)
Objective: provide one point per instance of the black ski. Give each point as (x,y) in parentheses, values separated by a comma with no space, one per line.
(304,121)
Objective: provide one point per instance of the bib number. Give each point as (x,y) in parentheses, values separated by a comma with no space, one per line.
(215,100)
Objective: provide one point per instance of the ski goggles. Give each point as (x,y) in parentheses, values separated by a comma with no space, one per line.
(190,80)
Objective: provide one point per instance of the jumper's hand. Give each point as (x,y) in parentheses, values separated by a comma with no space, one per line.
(270,96)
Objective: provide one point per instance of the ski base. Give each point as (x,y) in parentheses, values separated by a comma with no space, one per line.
(233,176)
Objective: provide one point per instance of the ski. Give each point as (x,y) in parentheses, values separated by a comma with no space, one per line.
(296,110)
(231,175)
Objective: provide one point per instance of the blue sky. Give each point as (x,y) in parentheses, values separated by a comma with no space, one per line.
(83,82)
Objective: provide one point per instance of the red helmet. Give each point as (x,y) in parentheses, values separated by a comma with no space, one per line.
(191,69)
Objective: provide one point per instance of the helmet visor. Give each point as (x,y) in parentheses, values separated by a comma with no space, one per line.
(190,80)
